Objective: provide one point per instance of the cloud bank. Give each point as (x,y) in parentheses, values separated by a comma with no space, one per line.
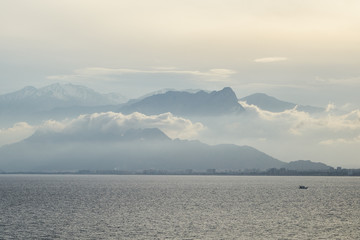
(321,126)
(103,124)
(174,127)
(16,133)
(331,137)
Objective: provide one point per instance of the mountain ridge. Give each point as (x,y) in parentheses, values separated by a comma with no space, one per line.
(272,104)
(58,101)
(149,148)
(187,104)
(58,95)
(307,165)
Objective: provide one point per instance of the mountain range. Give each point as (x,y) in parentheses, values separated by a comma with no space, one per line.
(200,103)
(60,101)
(131,149)
(55,96)
(134,148)
(56,101)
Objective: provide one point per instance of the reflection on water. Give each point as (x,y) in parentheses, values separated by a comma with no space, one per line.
(178,207)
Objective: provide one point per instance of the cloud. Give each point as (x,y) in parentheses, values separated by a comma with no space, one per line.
(16,133)
(331,137)
(298,123)
(108,123)
(270,59)
(103,124)
(217,74)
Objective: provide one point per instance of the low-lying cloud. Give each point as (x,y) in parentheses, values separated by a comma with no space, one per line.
(330,137)
(174,127)
(16,133)
(106,123)
(318,127)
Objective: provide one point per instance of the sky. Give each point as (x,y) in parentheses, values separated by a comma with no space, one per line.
(301,51)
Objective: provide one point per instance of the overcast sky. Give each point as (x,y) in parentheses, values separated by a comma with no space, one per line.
(297,50)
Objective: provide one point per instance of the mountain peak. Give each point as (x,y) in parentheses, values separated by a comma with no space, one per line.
(186,103)
(226,92)
(227,89)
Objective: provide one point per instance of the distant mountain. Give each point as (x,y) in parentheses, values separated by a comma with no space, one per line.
(187,104)
(307,165)
(126,135)
(30,102)
(132,149)
(272,104)
(162,91)
(55,96)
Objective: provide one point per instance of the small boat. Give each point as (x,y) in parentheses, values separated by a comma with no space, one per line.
(302,187)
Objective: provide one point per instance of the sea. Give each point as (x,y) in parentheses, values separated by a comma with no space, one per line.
(178,207)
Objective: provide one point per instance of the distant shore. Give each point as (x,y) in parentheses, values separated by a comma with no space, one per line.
(247,172)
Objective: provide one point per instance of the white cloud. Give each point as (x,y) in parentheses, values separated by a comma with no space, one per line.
(304,124)
(110,122)
(270,59)
(106,123)
(217,74)
(329,137)
(330,107)
(16,133)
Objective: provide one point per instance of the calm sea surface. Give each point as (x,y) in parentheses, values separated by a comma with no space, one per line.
(178,207)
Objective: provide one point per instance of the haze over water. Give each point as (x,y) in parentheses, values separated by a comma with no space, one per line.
(178,207)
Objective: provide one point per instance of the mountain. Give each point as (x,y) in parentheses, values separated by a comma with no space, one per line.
(55,96)
(307,165)
(57,100)
(165,90)
(187,104)
(272,104)
(131,149)
(126,135)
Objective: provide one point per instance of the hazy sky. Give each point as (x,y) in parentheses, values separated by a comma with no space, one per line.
(298,50)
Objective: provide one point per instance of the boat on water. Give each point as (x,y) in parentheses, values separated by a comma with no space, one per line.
(303,187)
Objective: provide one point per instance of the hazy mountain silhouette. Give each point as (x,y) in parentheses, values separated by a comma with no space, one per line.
(57,95)
(131,149)
(147,134)
(306,165)
(273,104)
(187,104)
(54,101)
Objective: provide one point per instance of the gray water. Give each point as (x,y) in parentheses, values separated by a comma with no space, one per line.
(178,207)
